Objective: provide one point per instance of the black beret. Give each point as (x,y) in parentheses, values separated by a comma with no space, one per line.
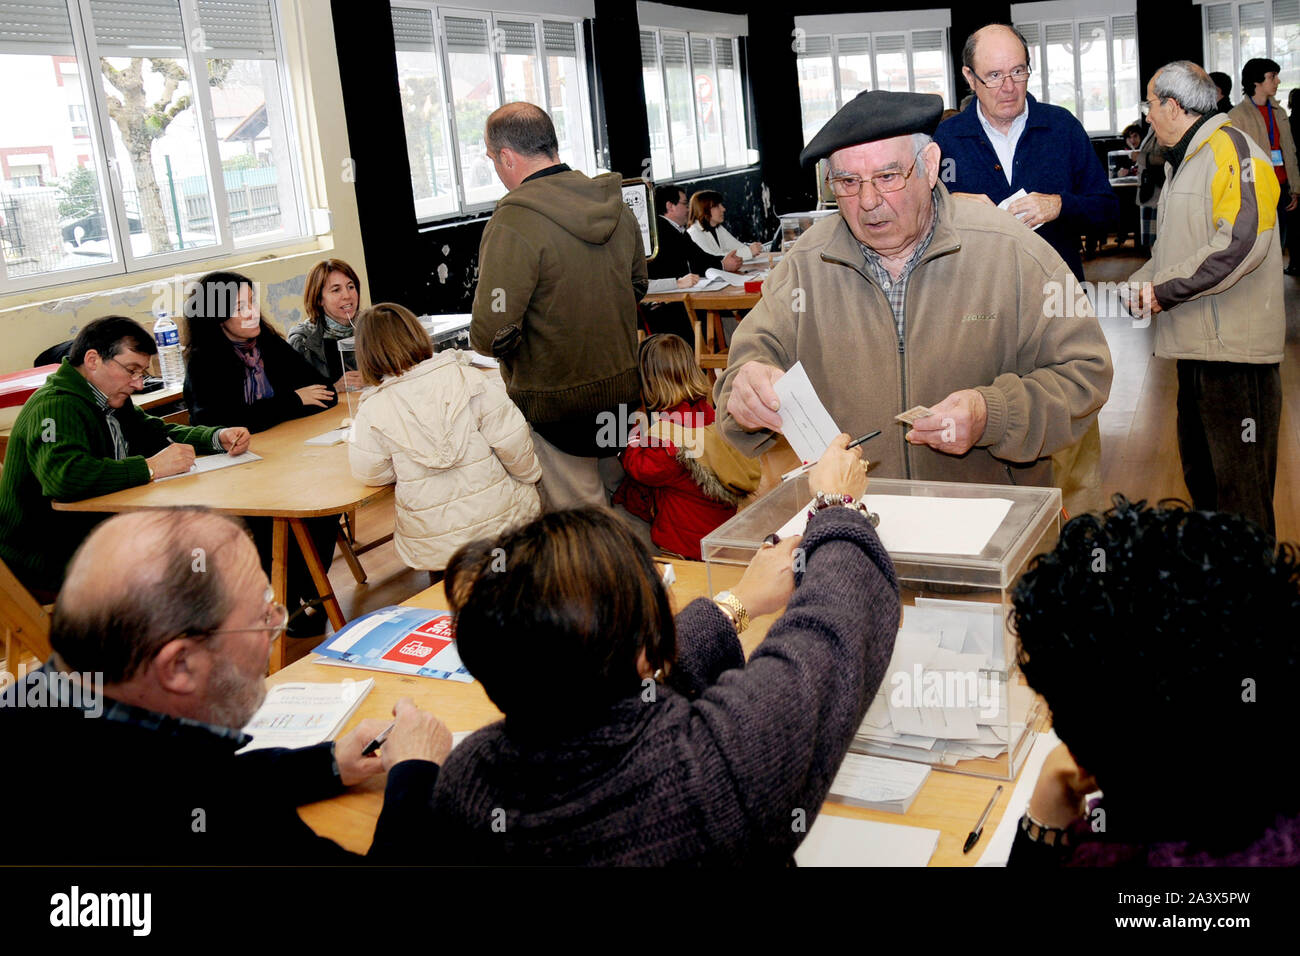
(873,115)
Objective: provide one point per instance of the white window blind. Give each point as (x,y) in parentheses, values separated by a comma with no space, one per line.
(35,27)
(413,29)
(853,46)
(557,36)
(815,47)
(465,35)
(517,37)
(138,27)
(241,29)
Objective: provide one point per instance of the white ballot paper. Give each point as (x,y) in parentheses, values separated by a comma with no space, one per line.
(214,463)
(805,423)
(304,714)
(1018,194)
(844,841)
(334,436)
(917,525)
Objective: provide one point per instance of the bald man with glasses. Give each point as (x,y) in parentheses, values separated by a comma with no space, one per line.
(161,636)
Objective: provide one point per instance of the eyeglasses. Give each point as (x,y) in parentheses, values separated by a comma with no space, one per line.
(274,620)
(1145,107)
(1018,76)
(135,373)
(886,182)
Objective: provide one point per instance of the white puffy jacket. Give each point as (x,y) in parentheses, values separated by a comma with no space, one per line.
(459,450)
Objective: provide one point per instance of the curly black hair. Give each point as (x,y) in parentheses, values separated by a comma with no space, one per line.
(1163,640)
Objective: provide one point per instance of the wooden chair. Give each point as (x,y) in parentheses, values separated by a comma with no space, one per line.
(24,624)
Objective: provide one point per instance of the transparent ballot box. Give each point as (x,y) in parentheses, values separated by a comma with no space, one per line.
(952,695)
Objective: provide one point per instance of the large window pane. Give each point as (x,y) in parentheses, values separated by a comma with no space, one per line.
(656,109)
(256,166)
(520,67)
(853,56)
(1060,66)
(731,102)
(707,103)
(1286,45)
(1218,40)
(424,113)
(163,165)
(1127,95)
(1094,70)
(681,103)
(929,64)
(1254,36)
(51,185)
(816,85)
(891,62)
(564,91)
(474,93)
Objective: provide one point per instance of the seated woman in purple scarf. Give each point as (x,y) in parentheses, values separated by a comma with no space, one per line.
(1163,640)
(239,371)
(237,367)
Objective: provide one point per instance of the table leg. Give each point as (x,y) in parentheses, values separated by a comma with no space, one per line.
(279,580)
(318,575)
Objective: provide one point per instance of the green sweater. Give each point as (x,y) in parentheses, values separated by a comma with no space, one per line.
(60,449)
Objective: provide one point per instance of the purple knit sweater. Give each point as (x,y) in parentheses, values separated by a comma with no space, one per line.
(729,768)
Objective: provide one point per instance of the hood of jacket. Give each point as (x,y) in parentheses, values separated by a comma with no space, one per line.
(421,407)
(587,208)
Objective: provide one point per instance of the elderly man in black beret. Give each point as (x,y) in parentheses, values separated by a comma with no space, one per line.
(911,297)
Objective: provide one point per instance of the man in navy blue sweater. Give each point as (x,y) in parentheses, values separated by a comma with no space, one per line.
(1009,141)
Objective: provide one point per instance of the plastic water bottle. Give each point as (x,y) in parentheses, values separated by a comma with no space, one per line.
(168,338)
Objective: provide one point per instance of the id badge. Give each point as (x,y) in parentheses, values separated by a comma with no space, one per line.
(1277,157)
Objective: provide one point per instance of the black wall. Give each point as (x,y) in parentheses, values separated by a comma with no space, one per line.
(434,268)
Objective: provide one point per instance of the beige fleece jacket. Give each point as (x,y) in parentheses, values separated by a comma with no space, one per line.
(976,316)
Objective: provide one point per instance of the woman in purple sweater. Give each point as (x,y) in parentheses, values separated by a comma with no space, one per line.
(633,739)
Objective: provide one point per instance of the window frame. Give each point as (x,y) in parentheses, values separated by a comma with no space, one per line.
(101,148)
(1041,64)
(439,11)
(871,37)
(742,120)
(1270,24)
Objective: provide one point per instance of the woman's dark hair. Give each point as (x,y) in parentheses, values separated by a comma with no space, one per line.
(211,301)
(553,615)
(1130,128)
(1162,638)
(1253,72)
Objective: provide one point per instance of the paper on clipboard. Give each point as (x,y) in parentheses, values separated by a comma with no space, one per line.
(805,423)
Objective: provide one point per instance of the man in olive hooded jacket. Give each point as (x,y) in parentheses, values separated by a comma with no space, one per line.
(561,269)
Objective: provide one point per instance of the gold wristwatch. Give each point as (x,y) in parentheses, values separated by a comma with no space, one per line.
(730,605)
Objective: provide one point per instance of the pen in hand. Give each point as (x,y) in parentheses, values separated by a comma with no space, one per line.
(378,742)
(806,467)
(974,836)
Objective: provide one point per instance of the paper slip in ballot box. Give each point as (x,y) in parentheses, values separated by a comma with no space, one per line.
(952,695)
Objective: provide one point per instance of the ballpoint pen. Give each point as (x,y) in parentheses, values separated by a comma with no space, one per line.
(808,465)
(974,836)
(378,741)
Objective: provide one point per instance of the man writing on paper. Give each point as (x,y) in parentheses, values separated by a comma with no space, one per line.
(79,436)
(161,635)
(910,297)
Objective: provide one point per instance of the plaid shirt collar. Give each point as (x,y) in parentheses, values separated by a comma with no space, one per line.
(896,289)
(121,712)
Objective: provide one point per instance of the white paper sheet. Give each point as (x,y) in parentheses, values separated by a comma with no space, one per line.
(917,525)
(843,841)
(334,436)
(805,423)
(998,849)
(304,714)
(1018,194)
(214,463)
(877,779)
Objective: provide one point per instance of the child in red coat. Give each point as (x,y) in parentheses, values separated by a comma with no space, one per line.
(683,477)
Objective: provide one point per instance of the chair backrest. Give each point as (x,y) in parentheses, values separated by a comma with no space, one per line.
(22,618)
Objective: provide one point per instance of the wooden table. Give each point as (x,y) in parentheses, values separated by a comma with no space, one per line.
(949,803)
(293,482)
